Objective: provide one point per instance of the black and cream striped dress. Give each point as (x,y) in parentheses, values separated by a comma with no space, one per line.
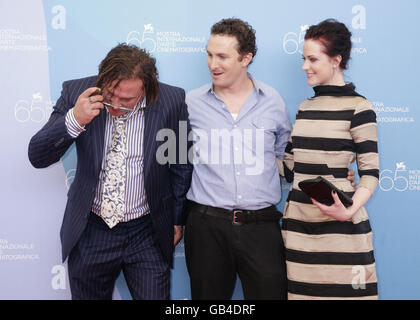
(326,258)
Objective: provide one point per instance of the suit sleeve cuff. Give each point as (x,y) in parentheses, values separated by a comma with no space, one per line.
(73,127)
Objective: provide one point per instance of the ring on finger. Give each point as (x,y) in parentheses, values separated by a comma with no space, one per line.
(90,100)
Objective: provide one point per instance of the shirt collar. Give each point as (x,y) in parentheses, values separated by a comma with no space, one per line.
(256,83)
(208,88)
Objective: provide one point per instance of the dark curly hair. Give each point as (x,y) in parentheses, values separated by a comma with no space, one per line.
(127,61)
(239,29)
(335,37)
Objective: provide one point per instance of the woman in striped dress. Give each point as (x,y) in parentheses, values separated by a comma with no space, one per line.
(329,250)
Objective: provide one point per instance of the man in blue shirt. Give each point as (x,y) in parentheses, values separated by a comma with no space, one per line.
(240,127)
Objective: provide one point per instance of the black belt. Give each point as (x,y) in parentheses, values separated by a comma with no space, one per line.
(238,216)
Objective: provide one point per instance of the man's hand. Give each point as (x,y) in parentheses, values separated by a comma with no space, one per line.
(350,174)
(351,177)
(177,234)
(88,106)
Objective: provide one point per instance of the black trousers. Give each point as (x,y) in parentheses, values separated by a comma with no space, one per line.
(217,251)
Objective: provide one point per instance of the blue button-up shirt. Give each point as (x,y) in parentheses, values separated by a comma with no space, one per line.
(234,160)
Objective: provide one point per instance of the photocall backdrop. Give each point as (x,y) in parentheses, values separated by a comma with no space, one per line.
(43,43)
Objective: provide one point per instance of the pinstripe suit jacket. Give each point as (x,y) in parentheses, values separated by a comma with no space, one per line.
(165,185)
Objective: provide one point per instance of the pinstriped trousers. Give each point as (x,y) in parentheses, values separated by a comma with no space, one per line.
(101,253)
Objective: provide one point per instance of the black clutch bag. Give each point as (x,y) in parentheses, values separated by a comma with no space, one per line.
(320,189)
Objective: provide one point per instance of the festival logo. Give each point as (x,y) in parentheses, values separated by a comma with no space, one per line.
(293,41)
(166,41)
(400,179)
(10,251)
(16,40)
(70,177)
(35,110)
(392,113)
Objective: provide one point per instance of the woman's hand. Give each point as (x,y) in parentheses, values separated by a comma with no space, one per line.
(337,210)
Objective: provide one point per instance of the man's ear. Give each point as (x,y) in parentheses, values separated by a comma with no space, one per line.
(246,59)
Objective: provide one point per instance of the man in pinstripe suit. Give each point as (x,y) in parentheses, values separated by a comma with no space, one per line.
(141,241)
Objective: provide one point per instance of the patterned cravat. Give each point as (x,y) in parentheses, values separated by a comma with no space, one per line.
(113,193)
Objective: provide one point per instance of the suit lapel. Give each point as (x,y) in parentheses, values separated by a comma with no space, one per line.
(152,125)
(98,136)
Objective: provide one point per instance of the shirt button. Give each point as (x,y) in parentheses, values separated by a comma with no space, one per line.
(236,149)
(238,173)
(235,125)
(239,197)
